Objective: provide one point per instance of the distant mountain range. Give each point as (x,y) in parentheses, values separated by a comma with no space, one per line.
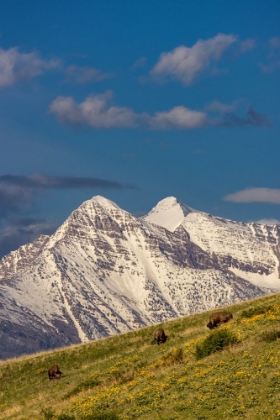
(105,271)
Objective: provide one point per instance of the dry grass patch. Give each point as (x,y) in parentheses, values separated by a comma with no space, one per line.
(8,412)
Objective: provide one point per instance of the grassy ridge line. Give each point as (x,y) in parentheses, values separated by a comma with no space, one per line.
(136,379)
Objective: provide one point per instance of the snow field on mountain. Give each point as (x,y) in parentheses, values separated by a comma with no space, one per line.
(224,237)
(105,271)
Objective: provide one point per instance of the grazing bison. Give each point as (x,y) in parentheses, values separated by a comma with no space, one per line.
(54,372)
(160,336)
(218,318)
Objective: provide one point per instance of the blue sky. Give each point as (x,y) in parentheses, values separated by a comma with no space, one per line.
(137,101)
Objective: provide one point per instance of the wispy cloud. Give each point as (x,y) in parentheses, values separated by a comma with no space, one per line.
(141,62)
(253,118)
(255,195)
(227,115)
(186,63)
(21,231)
(41,181)
(270,68)
(223,108)
(17,192)
(16,66)
(247,45)
(84,74)
(273,58)
(274,42)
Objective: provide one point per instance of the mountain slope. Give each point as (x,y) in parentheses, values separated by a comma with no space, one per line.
(104,272)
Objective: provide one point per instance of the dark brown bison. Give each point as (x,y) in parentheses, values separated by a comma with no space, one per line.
(160,336)
(218,318)
(54,372)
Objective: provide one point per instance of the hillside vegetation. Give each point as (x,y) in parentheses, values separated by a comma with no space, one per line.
(130,377)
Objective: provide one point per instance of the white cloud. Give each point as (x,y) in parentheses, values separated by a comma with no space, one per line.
(94,111)
(83,75)
(16,66)
(97,112)
(184,63)
(255,195)
(179,117)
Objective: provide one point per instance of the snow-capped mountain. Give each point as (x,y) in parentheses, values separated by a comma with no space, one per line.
(105,271)
(168,213)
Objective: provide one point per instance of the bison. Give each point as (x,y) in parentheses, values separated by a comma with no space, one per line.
(218,318)
(160,336)
(54,372)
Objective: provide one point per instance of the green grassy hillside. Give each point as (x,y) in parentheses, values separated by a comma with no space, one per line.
(130,377)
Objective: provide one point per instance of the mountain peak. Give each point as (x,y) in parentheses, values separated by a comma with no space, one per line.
(168,213)
(104,202)
(101,201)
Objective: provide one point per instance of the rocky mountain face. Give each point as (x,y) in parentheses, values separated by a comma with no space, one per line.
(105,272)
